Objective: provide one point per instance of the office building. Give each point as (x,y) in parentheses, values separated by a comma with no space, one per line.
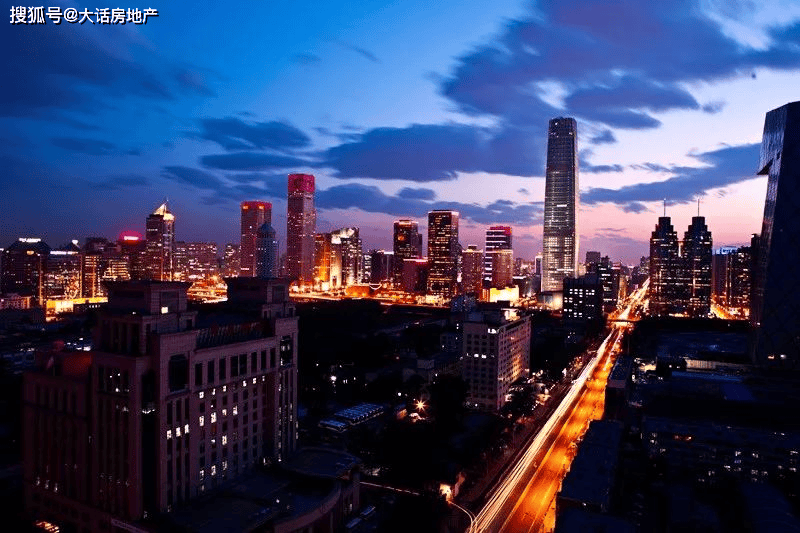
(24,266)
(472,268)
(775,310)
(592,258)
(301,223)
(63,273)
(266,252)
(132,247)
(696,259)
(443,253)
(407,244)
(495,354)
(195,260)
(497,238)
(381,266)
(160,244)
(665,268)
(415,276)
(583,301)
(561,204)
(170,404)
(502,268)
(231,263)
(338,258)
(253,215)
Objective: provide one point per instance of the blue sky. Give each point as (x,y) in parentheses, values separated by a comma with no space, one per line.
(397,108)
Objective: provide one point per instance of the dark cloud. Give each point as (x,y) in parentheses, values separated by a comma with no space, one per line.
(617,60)
(236,134)
(603,137)
(84,146)
(712,108)
(306,58)
(84,72)
(360,51)
(435,153)
(192,176)
(416,194)
(523,191)
(586,166)
(725,166)
(251,161)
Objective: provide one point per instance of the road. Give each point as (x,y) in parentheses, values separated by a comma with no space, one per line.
(525,499)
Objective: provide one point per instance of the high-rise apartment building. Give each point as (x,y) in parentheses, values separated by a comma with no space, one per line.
(696,258)
(496,352)
(170,404)
(472,267)
(381,266)
(665,268)
(497,238)
(160,244)
(561,204)
(253,215)
(338,258)
(443,252)
(24,267)
(775,309)
(195,260)
(407,244)
(231,260)
(266,252)
(301,223)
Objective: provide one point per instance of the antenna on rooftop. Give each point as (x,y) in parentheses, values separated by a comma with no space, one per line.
(665,207)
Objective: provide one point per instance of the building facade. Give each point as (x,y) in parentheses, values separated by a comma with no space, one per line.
(665,268)
(561,204)
(267,250)
(24,267)
(472,269)
(502,268)
(495,353)
(301,224)
(696,252)
(160,244)
(443,253)
(775,309)
(253,215)
(170,404)
(407,244)
(497,238)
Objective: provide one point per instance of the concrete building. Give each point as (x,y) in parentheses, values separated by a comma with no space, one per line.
(496,352)
(472,269)
(171,403)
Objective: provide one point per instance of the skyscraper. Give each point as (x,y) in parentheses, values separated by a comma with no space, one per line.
(560,241)
(301,223)
(697,268)
(664,268)
(443,252)
(254,215)
(497,238)
(160,244)
(266,252)
(407,243)
(24,267)
(472,266)
(502,268)
(775,307)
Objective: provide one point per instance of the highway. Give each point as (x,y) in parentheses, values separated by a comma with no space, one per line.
(524,501)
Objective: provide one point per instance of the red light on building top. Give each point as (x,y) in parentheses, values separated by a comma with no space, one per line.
(301,183)
(130,236)
(504,229)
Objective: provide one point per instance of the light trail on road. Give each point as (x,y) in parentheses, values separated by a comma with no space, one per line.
(522,500)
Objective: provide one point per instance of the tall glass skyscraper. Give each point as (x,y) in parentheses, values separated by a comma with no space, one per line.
(301,224)
(775,310)
(560,242)
(497,238)
(407,244)
(160,244)
(443,252)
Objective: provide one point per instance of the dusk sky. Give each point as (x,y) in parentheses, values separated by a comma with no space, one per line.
(397,108)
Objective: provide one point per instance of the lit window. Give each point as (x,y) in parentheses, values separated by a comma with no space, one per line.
(224,465)
(213,418)
(244,383)
(202,420)
(164,310)
(169,434)
(235,410)
(224,412)
(178,431)
(224,388)
(186,429)
(224,440)
(213,470)
(202,474)
(201,394)
(254,381)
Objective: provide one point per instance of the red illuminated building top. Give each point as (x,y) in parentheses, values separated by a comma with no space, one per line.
(301,183)
(504,229)
(130,236)
(256,204)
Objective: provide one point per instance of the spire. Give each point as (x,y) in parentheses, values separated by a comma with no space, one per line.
(665,207)
(163,210)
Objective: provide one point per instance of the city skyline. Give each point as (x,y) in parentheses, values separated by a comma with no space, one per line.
(129,115)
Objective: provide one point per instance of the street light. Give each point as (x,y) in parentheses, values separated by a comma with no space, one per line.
(420,405)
